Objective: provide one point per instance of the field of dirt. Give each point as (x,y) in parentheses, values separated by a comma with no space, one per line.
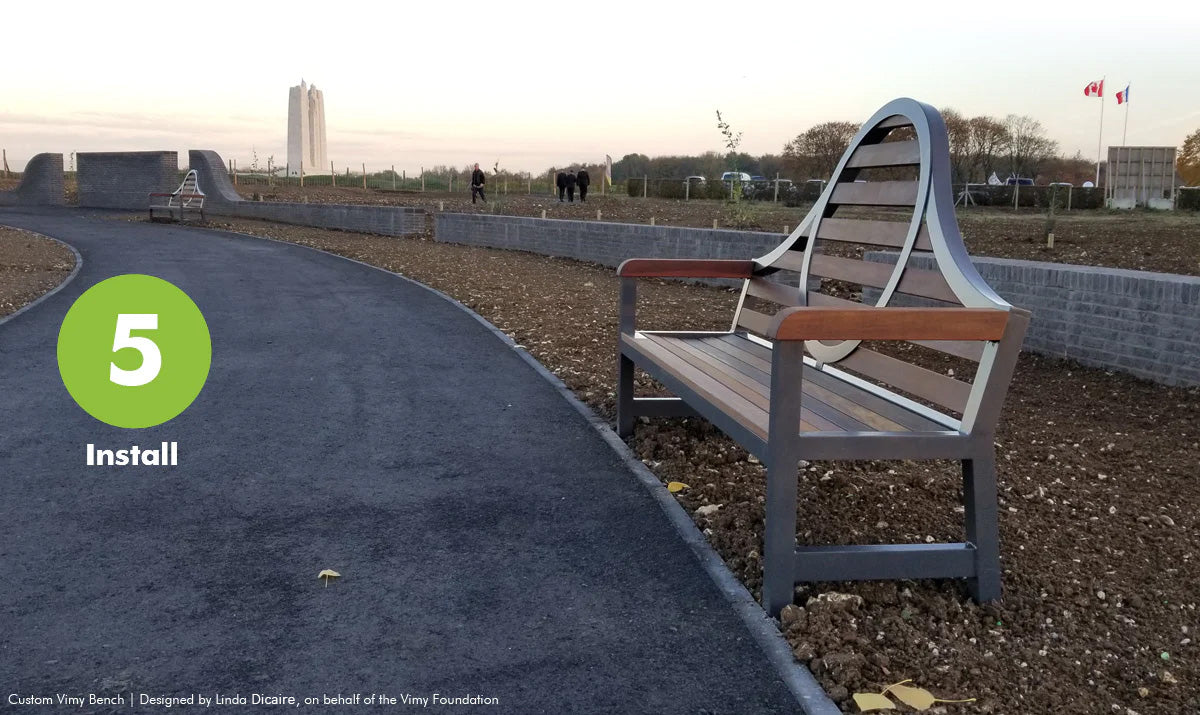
(1099,502)
(1167,242)
(30,265)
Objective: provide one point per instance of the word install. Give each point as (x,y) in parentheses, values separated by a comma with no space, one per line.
(167,455)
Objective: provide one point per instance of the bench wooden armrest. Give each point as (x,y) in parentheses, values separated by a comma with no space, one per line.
(685,268)
(871,323)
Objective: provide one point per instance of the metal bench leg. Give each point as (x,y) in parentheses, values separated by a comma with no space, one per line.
(979,501)
(783,459)
(625,416)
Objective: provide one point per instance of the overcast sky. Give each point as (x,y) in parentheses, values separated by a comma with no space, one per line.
(537,84)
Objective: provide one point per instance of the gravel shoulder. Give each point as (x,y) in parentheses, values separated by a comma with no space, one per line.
(30,266)
(1098,495)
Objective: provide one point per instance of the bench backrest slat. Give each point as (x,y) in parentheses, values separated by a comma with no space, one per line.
(890,191)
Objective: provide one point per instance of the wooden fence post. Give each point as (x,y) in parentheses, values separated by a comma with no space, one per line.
(364,167)
(645,186)
(394,177)
(777,189)
(687,189)
(235,172)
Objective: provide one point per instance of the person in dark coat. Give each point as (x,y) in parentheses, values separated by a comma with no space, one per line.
(477,185)
(583,180)
(561,182)
(571,180)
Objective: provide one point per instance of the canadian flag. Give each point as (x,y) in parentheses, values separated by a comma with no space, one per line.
(1094,89)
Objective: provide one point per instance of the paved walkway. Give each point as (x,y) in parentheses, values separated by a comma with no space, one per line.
(490,542)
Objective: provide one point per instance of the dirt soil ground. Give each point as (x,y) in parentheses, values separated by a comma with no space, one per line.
(30,265)
(1163,241)
(1099,501)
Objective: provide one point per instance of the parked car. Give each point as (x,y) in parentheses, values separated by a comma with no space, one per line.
(694,180)
(732,176)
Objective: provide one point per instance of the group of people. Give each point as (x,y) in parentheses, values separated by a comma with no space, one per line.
(568,181)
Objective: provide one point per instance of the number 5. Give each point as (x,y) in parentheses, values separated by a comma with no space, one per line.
(151,357)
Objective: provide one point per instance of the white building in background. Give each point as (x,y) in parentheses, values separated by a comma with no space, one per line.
(306,130)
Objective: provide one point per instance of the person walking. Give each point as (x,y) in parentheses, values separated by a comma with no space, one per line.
(583,180)
(571,180)
(477,181)
(561,182)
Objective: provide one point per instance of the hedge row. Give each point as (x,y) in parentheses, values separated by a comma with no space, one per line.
(1188,199)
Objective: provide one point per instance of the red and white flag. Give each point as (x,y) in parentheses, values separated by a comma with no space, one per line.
(1094,89)
(1123,95)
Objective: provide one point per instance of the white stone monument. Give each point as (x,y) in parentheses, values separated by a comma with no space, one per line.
(306,130)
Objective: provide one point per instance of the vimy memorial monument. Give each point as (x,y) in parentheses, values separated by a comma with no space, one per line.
(306,130)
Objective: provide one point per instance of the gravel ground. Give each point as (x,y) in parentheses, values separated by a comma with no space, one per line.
(1099,504)
(1163,241)
(30,265)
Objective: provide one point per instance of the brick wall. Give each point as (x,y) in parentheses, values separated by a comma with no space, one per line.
(1146,324)
(124,180)
(41,183)
(599,242)
(221,199)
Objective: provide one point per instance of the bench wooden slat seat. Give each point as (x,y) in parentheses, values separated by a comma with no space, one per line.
(792,379)
(175,205)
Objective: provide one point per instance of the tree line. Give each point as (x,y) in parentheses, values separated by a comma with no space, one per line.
(1016,145)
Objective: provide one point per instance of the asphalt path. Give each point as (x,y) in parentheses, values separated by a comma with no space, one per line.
(490,543)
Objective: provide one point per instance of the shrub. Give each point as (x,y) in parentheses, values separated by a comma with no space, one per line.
(1188,199)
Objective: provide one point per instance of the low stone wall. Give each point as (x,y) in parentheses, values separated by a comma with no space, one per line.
(1146,324)
(41,183)
(221,199)
(599,242)
(384,220)
(125,179)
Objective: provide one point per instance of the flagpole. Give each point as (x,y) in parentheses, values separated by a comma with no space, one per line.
(1126,129)
(1100,136)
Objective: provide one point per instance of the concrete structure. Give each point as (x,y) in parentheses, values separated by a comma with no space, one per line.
(41,184)
(1140,176)
(598,242)
(306,131)
(125,179)
(221,199)
(1146,324)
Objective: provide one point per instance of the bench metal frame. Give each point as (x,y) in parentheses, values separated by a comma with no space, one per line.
(188,197)
(829,335)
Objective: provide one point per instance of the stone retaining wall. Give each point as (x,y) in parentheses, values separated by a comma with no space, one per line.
(41,183)
(1146,324)
(125,179)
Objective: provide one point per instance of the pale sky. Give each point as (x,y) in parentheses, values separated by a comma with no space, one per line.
(538,84)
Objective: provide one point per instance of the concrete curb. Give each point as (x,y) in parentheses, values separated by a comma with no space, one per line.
(74,272)
(809,695)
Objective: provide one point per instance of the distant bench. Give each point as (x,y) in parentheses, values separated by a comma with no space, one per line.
(841,400)
(175,205)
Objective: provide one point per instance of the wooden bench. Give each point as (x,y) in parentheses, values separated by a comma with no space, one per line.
(792,378)
(188,197)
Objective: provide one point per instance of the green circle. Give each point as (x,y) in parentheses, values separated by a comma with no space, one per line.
(106,351)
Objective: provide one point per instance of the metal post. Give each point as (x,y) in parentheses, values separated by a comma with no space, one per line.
(645,185)
(625,326)
(332,174)
(979,501)
(302,172)
(234,174)
(393,177)
(1069,189)
(687,189)
(777,187)
(364,168)
(1016,194)
(782,460)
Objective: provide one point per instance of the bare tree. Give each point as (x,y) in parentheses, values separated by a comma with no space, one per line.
(1028,147)
(815,153)
(985,142)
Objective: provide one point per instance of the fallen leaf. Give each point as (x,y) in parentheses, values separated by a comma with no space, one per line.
(917,698)
(676,487)
(872,701)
